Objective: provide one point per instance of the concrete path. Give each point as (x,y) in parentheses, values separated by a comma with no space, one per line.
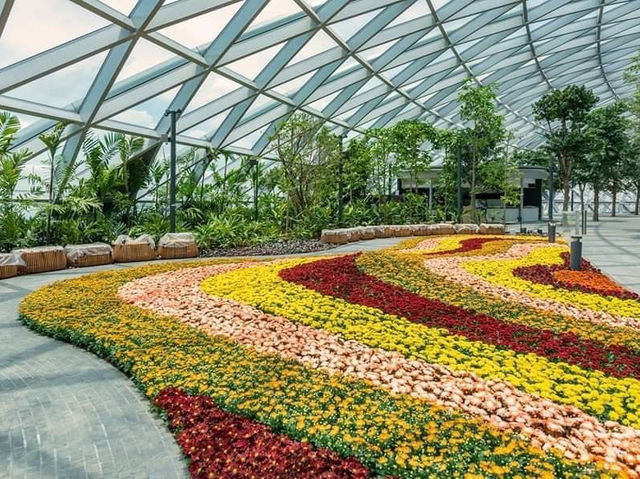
(67,413)
(613,245)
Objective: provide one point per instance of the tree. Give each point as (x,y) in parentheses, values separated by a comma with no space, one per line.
(480,141)
(564,113)
(12,164)
(632,77)
(407,139)
(606,132)
(52,140)
(307,152)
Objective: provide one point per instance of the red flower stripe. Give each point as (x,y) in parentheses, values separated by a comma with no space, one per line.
(340,277)
(470,244)
(221,444)
(544,274)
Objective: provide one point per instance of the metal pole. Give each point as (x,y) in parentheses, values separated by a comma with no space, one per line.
(520,203)
(430,197)
(551,192)
(459,184)
(341,182)
(172,182)
(576,253)
(254,163)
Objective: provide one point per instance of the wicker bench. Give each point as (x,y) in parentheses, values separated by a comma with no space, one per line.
(42,259)
(94,254)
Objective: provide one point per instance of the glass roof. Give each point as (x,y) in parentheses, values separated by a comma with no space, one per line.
(237,67)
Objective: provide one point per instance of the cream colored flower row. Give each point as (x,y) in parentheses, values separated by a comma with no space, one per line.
(547,424)
(466,271)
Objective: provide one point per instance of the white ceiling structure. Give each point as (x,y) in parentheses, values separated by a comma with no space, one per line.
(235,68)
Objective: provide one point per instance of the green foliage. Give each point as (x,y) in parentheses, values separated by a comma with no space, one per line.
(632,77)
(605,166)
(564,113)
(485,165)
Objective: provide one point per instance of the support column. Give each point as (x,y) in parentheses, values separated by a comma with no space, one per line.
(172,178)
(459,185)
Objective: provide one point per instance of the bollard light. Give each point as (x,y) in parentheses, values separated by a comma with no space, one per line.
(551,233)
(576,252)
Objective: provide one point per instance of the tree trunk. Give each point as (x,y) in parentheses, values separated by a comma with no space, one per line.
(637,210)
(596,203)
(566,189)
(614,195)
(473,190)
(582,188)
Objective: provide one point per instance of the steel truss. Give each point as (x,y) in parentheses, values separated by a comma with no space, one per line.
(393,67)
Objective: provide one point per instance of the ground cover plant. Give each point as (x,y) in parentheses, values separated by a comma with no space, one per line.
(455,356)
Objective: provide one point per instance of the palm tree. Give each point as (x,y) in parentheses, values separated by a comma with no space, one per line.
(12,164)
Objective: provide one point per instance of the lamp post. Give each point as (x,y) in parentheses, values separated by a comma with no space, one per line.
(253,163)
(459,185)
(551,191)
(341,181)
(172,178)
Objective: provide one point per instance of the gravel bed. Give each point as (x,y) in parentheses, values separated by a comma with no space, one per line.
(283,247)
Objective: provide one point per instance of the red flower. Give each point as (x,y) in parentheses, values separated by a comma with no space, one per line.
(340,277)
(545,274)
(221,444)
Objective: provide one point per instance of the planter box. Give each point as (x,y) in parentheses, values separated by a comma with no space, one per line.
(339,236)
(94,254)
(177,245)
(42,259)
(492,229)
(443,229)
(131,252)
(467,229)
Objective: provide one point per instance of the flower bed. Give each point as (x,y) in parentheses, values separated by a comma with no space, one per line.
(364,365)
(588,280)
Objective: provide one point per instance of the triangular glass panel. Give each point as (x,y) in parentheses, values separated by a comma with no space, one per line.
(275,11)
(249,141)
(214,87)
(64,88)
(320,42)
(261,103)
(349,27)
(371,54)
(321,103)
(348,64)
(417,10)
(148,113)
(201,30)
(373,82)
(207,128)
(291,87)
(52,20)
(144,56)
(251,66)
(123,6)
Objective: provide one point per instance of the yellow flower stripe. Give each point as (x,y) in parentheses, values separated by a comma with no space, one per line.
(501,272)
(592,391)
(406,270)
(393,435)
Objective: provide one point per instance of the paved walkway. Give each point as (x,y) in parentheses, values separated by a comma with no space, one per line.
(66,413)
(613,245)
